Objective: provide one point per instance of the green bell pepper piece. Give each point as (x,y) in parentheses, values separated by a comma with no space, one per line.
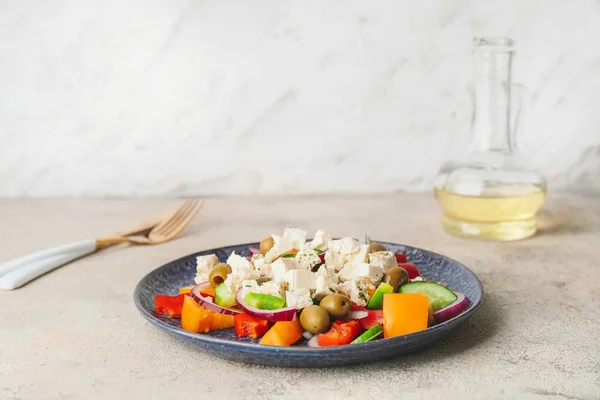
(376,302)
(371,334)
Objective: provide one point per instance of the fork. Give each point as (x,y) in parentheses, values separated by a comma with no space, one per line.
(16,273)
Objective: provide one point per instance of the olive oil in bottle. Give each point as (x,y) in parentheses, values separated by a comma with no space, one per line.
(499,214)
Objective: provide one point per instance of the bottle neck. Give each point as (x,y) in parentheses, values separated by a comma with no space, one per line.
(492,83)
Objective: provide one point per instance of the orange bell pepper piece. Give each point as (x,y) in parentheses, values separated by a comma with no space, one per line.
(404,313)
(194,317)
(283,333)
(186,289)
(221,321)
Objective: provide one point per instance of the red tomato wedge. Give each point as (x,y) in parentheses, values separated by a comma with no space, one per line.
(412,270)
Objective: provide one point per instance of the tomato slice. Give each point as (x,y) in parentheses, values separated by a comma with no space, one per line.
(375,317)
(412,270)
(401,258)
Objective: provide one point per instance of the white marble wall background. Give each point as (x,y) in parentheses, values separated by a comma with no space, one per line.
(232,96)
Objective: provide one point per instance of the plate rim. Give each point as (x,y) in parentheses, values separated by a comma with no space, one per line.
(305,350)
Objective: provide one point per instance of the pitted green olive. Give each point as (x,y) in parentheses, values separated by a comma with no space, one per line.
(375,247)
(218,274)
(395,277)
(266,244)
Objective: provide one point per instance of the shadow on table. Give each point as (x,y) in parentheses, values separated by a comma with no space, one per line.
(484,325)
(564,221)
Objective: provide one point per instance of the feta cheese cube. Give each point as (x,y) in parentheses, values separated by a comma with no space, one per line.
(241,272)
(281,266)
(356,290)
(237,262)
(323,284)
(281,245)
(345,246)
(297,237)
(204,264)
(250,286)
(371,273)
(298,298)
(274,288)
(334,260)
(342,251)
(300,278)
(383,259)
(307,258)
(360,256)
(320,241)
(327,272)
(263,268)
(346,273)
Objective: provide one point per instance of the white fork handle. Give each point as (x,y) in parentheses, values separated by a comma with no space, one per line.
(17,263)
(29,272)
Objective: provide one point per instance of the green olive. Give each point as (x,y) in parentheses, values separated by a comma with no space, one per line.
(266,244)
(314,319)
(375,247)
(336,305)
(218,274)
(395,277)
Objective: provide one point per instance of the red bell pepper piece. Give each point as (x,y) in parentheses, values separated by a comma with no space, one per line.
(401,258)
(169,305)
(245,325)
(412,270)
(341,332)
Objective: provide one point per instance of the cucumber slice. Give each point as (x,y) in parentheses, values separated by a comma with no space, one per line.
(371,334)
(224,297)
(376,302)
(439,296)
(264,301)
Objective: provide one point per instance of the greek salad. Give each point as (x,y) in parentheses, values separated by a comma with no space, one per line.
(329,291)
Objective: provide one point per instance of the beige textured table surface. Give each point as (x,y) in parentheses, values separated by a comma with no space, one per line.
(75,333)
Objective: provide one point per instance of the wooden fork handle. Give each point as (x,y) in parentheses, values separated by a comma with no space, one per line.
(100,243)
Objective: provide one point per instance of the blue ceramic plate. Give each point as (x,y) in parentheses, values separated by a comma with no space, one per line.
(225,344)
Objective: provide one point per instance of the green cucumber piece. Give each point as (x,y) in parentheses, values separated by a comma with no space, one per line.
(376,302)
(371,334)
(224,297)
(264,301)
(289,256)
(439,296)
(318,251)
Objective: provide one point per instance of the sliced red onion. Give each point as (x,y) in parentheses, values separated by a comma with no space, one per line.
(461,304)
(313,341)
(282,314)
(307,335)
(322,257)
(207,301)
(254,250)
(356,314)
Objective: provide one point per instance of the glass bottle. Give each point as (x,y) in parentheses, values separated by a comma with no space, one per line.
(493,191)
